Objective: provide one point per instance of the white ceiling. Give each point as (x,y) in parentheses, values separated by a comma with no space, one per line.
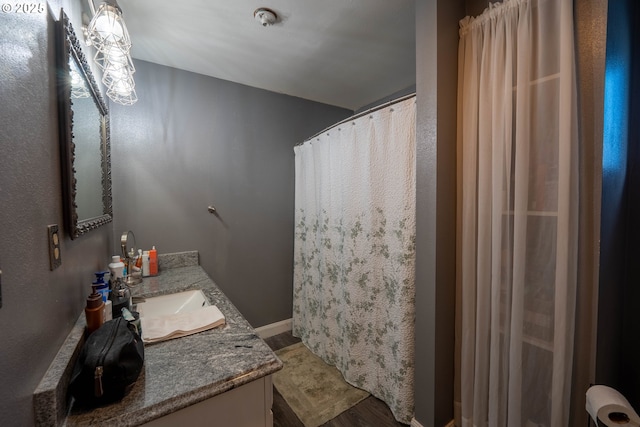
(347,53)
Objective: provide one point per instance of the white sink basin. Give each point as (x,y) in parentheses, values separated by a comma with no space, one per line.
(182,302)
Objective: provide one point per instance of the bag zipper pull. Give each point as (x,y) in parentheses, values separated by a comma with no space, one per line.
(98,390)
(97,384)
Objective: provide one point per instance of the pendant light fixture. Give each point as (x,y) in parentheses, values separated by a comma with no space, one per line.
(108,34)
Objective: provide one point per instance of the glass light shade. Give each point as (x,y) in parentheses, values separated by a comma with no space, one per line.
(108,30)
(115,76)
(114,60)
(114,57)
(120,86)
(123,96)
(108,33)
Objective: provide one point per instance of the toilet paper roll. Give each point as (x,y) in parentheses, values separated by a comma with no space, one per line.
(611,407)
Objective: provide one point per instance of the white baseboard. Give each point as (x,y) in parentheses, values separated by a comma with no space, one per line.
(415,423)
(272,329)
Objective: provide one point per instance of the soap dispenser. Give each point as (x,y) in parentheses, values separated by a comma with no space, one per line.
(94,311)
(101,286)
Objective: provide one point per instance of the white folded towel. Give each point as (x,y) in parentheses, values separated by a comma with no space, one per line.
(162,328)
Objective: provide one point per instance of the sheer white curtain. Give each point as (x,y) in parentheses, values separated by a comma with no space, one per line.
(518,138)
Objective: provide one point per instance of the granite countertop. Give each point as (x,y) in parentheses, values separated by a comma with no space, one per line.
(176,373)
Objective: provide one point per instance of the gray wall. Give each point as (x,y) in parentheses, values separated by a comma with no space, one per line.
(389,98)
(476,7)
(629,345)
(193,141)
(38,306)
(619,295)
(615,225)
(436,63)
(590,30)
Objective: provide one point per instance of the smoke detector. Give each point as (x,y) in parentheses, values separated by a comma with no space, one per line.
(265,17)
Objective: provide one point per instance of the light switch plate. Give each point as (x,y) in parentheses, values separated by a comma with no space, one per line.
(55,256)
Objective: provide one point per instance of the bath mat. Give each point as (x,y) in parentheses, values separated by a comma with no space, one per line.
(315,391)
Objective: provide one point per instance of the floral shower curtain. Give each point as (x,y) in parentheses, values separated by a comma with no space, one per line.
(353,301)
(518,141)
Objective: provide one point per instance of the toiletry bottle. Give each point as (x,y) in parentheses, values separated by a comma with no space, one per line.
(139,259)
(120,297)
(100,286)
(108,310)
(153,261)
(145,263)
(116,268)
(132,266)
(94,311)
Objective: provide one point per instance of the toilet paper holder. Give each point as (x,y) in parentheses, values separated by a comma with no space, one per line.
(619,417)
(615,417)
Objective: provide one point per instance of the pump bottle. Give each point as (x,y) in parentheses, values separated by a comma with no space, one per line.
(94,311)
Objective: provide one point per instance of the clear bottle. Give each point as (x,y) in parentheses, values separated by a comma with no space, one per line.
(108,310)
(145,263)
(139,259)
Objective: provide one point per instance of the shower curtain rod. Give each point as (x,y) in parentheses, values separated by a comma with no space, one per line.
(357,116)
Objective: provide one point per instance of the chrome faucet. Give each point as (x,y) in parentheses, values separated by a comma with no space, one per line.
(128,241)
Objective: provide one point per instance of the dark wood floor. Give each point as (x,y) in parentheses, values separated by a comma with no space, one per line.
(370,412)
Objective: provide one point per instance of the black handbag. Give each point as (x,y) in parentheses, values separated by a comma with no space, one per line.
(110,361)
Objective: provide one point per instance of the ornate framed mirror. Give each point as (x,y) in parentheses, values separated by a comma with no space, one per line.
(84,137)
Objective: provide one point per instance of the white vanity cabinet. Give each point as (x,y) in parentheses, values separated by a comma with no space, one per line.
(246,406)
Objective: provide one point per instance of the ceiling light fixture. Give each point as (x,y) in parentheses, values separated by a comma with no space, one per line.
(108,34)
(265,17)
